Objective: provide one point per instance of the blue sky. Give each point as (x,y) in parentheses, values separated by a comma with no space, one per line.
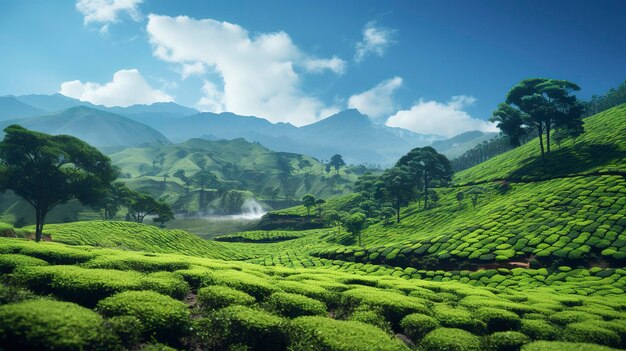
(429,66)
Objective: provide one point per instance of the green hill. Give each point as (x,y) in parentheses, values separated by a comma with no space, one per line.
(96,127)
(601,149)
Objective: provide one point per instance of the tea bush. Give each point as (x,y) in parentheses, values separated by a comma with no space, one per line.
(505,341)
(417,325)
(216,297)
(162,317)
(450,339)
(321,333)
(294,305)
(53,325)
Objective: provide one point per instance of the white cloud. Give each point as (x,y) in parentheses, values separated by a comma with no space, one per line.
(258,73)
(377,102)
(128,87)
(375,41)
(107,11)
(213,99)
(335,64)
(448,119)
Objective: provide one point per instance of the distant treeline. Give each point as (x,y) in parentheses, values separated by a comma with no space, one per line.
(500,144)
(604,102)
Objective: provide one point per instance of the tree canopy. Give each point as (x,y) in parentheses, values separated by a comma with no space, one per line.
(49,170)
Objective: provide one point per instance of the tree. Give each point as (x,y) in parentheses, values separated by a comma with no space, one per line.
(164,214)
(318,207)
(474,194)
(355,224)
(117,195)
(232,201)
(460,196)
(427,166)
(47,170)
(395,185)
(142,205)
(304,164)
(387,213)
(335,219)
(203,179)
(165,176)
(511,122)
(180,174)
(336,162)
(308,201)
(546,104)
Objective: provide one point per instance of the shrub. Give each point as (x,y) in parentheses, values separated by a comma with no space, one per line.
(538,329)
(232,325)
(217,296)
(127,328)
(561,346)
(584,332)
(88,286)
(252,284)
(417,325)
(498,320)
(321,333)
(161,316)
(53,325)
(308,289)
(157,347)
(506,341)
(567,317)
(450,339)
(393,305)
(137,262)
(294,305)
(8,262)
(369,316)
(196,276)
(459,318)
(12,294)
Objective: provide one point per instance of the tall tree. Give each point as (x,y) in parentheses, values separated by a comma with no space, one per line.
(203,179)
(308,201)
(337,162)
(142,205)
(427,166)
(546,104)
(116,196)
(396,186)
(47,170)
(511,122)
(355,224)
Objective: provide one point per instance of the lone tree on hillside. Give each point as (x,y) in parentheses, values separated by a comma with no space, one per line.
(336,162)
(395,185)
(546,104)
(308,201)
(142,205)
(116,196)
(49,170)
(355,224)
(203,179)
(427,166)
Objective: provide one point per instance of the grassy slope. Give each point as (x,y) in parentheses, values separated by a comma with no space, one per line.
(136,237)
(601,148)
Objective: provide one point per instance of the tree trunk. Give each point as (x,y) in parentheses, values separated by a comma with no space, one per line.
(397,211)
(548,136)
(540,132)
(40,218)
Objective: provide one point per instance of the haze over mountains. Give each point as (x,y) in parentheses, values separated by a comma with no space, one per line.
(349,133)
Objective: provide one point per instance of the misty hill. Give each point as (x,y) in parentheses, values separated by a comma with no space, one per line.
(96,127)
(458,144)
(348,133)
(10,107)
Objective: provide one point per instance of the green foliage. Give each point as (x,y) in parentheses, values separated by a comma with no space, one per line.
(127,328)
(47,170)
(216,297)
(587,332)
(161,316)
(240,325)
(498,319)
(53,325)
(394,306)
(506,341)
(8,262)
(459,318)
(560,346)
(320,333)
(450,339)
(294,305)
(417,325)
(538,329)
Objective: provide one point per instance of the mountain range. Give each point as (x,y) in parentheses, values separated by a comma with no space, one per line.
(349,133)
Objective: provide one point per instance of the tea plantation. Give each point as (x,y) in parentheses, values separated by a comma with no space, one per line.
(537,261)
